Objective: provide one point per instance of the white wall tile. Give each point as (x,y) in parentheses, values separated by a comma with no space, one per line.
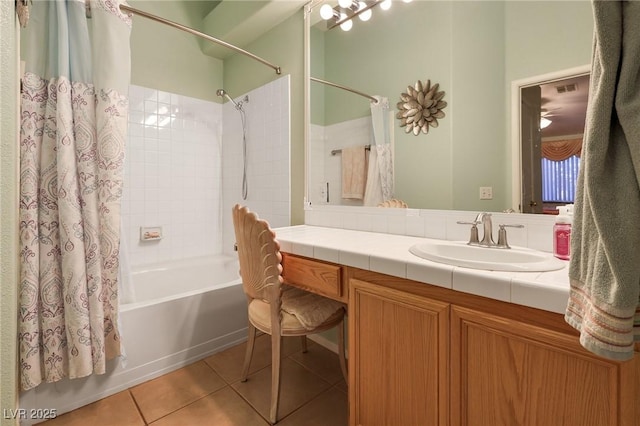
(163,186)
(174,173)
(267,123)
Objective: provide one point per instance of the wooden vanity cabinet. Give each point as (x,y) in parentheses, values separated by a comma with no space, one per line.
(398,357)
(421,355)
(508,372)
(313,275)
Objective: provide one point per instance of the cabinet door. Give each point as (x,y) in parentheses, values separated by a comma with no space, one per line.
(398,358)
(510,373)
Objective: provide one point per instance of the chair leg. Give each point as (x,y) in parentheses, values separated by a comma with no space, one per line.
(276,343)
(341,350)
(304,343)
(249,352)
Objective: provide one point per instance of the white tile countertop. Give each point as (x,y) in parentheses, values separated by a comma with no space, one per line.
(389,254)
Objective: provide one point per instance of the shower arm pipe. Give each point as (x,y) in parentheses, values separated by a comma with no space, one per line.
(125,8)
(348,89)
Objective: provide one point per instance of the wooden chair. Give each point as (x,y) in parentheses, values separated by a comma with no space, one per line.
(393,203)
(270,302)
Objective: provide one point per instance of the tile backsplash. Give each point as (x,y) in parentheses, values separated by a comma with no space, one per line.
(438,224)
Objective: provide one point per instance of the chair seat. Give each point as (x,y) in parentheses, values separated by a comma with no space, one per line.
(260,317)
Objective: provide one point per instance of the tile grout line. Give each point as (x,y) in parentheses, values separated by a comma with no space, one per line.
(307,403)
(331,386)
(137,406)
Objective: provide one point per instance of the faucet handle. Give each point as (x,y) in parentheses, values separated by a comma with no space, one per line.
(502,235)
(473,237)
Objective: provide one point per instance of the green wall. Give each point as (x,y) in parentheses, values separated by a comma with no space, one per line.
(317,90)
(473,50)
(477,105)
(171,60)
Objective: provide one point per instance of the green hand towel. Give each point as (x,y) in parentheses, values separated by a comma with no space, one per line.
(605,264)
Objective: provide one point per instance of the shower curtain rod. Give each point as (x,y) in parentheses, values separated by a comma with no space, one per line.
(348,89)
(144,14)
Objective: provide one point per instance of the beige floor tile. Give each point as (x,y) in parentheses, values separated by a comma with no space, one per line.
(228,363)
(115,410)
(159,397)
(221,408)
(321,361)
(342,385)
(330,408)
(297,387)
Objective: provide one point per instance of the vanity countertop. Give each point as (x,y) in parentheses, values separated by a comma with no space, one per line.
(389,254)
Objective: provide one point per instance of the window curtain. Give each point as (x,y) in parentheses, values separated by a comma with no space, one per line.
(73,130)
(380,171)
(562,149)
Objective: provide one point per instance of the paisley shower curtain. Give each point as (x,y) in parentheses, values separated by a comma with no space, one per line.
(73,128)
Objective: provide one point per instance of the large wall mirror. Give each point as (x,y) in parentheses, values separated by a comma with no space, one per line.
(474,51)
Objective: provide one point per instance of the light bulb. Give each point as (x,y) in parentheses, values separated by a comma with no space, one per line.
(346,25)
(544,122)
(385,5)
(344,3)
(326,12)
(366,15)
(407,1)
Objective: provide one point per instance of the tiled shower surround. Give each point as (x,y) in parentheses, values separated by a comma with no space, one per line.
(177,150)
(327,168)
(268,148)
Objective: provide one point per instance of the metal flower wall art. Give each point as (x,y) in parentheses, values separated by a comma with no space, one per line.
(420,107)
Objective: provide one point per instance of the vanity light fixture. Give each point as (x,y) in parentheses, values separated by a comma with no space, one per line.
(327,12)
(346,23)
(365,15)
(342,15)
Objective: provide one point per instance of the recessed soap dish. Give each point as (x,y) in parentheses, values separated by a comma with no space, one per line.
(150,233)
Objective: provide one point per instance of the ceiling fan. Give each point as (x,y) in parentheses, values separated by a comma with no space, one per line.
(546,115)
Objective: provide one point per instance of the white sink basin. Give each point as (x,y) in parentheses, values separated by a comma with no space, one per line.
(458,253)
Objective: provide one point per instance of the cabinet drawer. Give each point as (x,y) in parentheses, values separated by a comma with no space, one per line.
(314,276)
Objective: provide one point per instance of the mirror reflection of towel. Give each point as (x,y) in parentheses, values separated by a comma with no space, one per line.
(354,172)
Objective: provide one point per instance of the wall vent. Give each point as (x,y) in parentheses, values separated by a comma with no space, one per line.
(567,88)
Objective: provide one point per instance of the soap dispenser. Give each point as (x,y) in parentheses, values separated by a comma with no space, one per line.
(562,232)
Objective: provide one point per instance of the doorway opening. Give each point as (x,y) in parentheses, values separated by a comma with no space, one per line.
(548,117)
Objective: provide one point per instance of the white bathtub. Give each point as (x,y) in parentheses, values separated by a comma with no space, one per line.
(184,311)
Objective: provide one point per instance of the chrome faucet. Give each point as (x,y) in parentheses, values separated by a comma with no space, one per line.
(484,218)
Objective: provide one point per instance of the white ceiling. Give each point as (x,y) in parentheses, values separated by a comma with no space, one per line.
(567,111)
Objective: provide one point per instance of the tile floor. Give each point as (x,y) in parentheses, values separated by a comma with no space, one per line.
(209,392)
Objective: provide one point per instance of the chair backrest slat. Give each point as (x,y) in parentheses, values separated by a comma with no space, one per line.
(259,255)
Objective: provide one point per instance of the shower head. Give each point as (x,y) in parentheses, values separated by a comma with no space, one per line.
(223,94)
